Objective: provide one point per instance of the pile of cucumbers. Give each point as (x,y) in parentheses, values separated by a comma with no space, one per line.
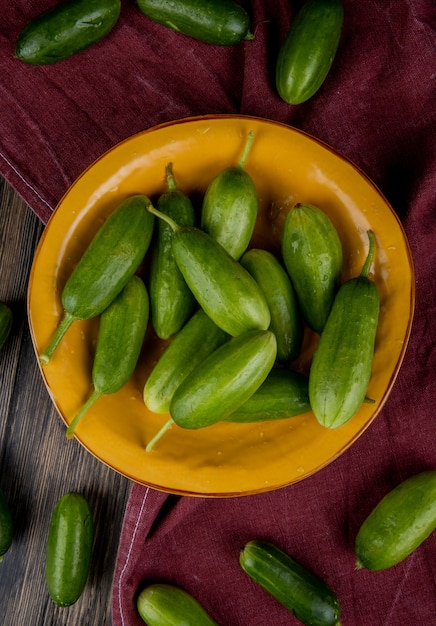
(303,63)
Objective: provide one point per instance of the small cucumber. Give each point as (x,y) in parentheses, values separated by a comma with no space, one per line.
(312,253)
(6,526)
(230,206)
(167,605)
(171,300)
(218,22)
(283,394)
(223,288)
(308,597)
(193,343)
(286,322)
(69,549)
(65,29)
(119,342)
(307,53)
(110,260)
(5,323)
(225,380)
(342,361)
(400,522)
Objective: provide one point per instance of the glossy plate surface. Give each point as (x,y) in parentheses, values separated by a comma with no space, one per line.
(287,166)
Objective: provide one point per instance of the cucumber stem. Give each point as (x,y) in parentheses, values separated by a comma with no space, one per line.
(164,217)
(370,257)
(247,149)
(159,434)
(170,178)
(60,331)
(88,404)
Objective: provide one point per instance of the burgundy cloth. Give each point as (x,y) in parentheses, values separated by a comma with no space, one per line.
(377,107)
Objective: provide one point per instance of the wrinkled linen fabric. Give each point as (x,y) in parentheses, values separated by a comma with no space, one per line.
(377,108)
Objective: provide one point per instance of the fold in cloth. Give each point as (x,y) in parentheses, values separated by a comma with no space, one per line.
(377,107)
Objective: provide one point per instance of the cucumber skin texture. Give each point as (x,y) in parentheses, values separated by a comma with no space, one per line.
(171,300)
(5,323)
(193,343)
(400,522)
(229,210)
(120,337)
(308,597)
(6,526)
(223,288)
(286,322)
(283,394)
(69,549)
(112,257)
(308,51)
(341,365)
(225,380)
(166,605)
(312,254)
(218,22)
(65,30)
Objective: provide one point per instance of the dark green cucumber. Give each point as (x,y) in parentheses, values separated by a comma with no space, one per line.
(286,322)
(193,343)
(119,342)
(167,605)
(171,300)
(400,522)
(66,29)
(69,549)
(230,206)
(312,253)
(308,51)
(305,595)
(341,366)
(111,259)
(283,394)
(223,288)
(6,526)
(5,323)
(219,22)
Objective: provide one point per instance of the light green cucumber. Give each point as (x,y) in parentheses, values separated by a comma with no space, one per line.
(286,322)
(312,253)
(161,604)
(230,206)
(171,300)
(111,259)
(119,342)
(402,520)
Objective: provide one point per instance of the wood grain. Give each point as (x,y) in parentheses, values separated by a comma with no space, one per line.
(37,463)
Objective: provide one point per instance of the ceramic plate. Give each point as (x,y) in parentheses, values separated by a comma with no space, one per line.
(287,166)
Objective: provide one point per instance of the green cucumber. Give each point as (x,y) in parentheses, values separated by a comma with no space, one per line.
(5,323)
(111,259)
(6,526)
(230,206)
(171,300)
(308,51)
(312,253)
(223,288)
(286,322)
(69,549)
(400,522)
(305,595)
(193,343)
(161,604)
(66,29)
(119,342)
(341,366)
(218,22)
(283,394)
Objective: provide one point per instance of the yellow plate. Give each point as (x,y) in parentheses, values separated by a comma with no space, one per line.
(287,166)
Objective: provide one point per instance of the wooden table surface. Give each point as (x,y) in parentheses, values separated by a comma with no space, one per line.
(37,463)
